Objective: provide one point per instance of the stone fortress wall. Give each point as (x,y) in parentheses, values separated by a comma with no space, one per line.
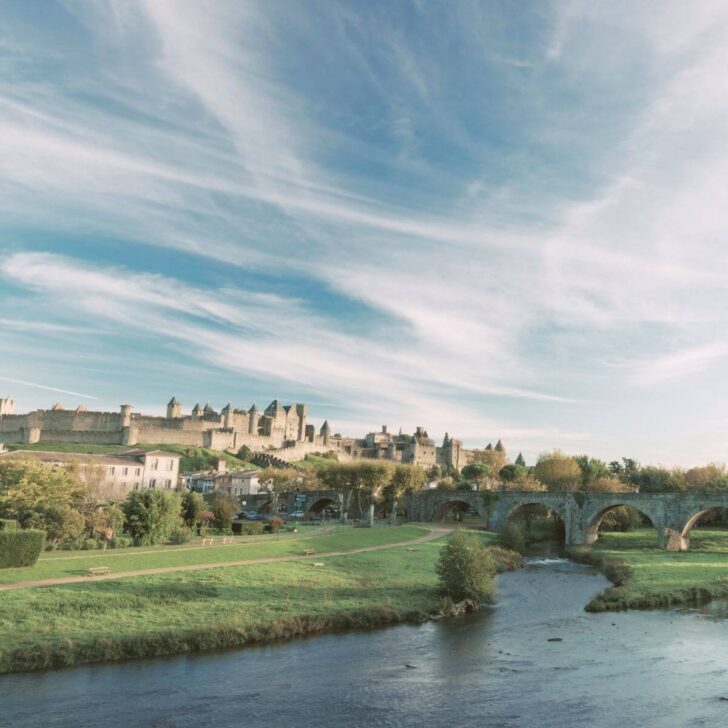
(279,428)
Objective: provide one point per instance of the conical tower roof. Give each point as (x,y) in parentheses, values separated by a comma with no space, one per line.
(173,401)
(499,446)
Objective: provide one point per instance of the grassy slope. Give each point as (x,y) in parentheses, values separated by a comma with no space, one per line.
(76,563)
(664,578)
(186,463)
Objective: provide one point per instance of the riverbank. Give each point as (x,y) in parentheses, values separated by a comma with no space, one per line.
(149,616)
(647,577)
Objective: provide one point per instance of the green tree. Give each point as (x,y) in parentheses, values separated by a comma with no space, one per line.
(372,478)
(276,481)
(41,497)
(152,515)
(466,569)
(224,507)
(405,479)
(558,471)
(192,505)
(478,473)
(591,468)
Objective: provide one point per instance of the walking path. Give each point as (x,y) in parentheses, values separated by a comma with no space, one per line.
(434,533)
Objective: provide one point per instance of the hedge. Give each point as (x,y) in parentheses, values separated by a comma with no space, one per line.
(8,524)
(20,548)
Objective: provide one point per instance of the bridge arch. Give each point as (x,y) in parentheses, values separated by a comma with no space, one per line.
(320,505)
(526,503)
(690,523)
(594,520)
(459,506)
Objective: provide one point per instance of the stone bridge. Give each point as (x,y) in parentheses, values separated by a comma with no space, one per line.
(672,514)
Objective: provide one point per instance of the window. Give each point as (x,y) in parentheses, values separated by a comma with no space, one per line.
(155,464)
(168,483)
(112,470)
(170,465)
(136,486)
(137,471)
(152,483)
(126,471)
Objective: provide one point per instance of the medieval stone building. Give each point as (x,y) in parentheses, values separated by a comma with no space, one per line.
(231,428)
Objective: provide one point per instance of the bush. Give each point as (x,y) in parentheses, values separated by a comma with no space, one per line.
(121,542)
(8,524)
(89,544)
(514,537)
(466,569)
(152,515)
(248,528)
(275,524)
(20,548)
(180,535)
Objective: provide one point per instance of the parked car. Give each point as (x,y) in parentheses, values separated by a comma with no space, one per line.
(251,516)
(296,515)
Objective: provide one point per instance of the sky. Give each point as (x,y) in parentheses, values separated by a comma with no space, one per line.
(493,219)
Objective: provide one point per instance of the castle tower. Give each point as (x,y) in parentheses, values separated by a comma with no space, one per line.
(196,411)
(125,415)
(499,446)
(227,415)
(7,406)
(174,409)
(301,411)
(325,433)
(253,420)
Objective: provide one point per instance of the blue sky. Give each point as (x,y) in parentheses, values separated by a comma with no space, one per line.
(489,218)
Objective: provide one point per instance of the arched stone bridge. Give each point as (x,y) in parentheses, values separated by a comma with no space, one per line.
(672,514)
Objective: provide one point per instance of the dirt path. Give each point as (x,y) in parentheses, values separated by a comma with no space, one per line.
(434,533)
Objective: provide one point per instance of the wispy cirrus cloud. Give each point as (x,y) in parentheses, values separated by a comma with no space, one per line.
(458,214)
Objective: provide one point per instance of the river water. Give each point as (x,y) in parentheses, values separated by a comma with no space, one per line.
(496,668)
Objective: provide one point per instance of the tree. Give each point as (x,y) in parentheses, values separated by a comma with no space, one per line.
(371,477)
(496,459)
(707,478)
(557,471)
(342,478)
(192,505)
(224,507)
(276,481)
(152,515)
(513,473)
(608,484)
(466,569)
(478,473)
(434,472)
(446,484)
(591,468)
(405,479)
(44,498)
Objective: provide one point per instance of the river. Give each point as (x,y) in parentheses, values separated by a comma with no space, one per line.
(496,668)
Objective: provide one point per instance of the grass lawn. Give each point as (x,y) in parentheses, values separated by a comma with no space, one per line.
(76,563)
(171,613)
(662,578)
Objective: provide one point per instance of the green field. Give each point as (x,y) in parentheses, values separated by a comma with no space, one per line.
(145,616)
(337,538)
(664,578)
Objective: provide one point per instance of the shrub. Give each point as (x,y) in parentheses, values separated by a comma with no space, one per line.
(20,548)
(89,544)
(466,569)
(152,515)
(514,537)
(180,535)
(121,542)
(8,524)
(248,528)
(275,524)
